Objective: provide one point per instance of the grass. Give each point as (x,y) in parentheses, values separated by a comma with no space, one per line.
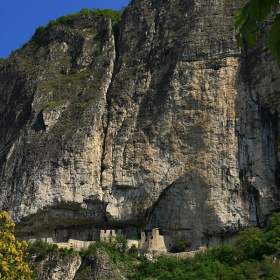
(54,103)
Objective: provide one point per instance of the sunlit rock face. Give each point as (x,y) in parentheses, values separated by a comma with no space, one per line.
(161,123)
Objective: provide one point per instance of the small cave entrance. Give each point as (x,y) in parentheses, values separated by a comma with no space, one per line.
(39,123)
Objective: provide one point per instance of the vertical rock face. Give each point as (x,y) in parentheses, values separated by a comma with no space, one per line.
(52,158)
(100,267)
(164,123)
(56,267)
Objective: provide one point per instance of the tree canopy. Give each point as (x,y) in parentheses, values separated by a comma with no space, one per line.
(13,253)
(246,20)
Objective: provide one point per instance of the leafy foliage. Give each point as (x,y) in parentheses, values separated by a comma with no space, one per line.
(117,249)
(37,33)
(133,251)
(254,256)
(246,21)
(13,253)
(181,243)
(40,249)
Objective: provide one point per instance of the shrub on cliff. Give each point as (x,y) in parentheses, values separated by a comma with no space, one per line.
(40,249)
(181,244)
(117,249)
(13,253)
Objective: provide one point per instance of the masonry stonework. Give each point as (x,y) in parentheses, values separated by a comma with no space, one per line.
(156,241)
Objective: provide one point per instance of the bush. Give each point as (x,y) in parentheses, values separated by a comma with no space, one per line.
(114,15)
(181,244)
(66,252)
(38,33)
(256,255)
(133,251)
(13,253)
(117,249)
(225,254)
(40,249)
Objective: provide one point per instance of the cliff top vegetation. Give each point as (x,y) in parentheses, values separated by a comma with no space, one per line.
(67,20)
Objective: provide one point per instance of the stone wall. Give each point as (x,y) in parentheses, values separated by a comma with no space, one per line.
(109,234)
(78,244)
(156,242)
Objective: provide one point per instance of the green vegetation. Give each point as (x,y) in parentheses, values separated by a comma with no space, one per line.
(246,22)
(37,33)
(256,255)
(44,256)
(181,244)
(54,103)
(39,250)
(117,249)
(114,15)
(13,253)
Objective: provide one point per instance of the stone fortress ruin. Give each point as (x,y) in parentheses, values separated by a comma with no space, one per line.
(156,241)
(150,241)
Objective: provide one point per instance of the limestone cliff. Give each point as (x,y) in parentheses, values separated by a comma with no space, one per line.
(57,267)
(97,266)
(161,123)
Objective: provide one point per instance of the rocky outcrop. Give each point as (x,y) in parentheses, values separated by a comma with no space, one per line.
(60,142)
(99,266)
(165,123)
(57,267)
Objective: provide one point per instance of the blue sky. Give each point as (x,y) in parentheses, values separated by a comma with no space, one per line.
(20,18)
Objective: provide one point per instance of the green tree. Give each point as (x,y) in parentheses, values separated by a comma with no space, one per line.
(246,22)
(40,249)
(13,253)
(249,244)
(181,244)
(272,235)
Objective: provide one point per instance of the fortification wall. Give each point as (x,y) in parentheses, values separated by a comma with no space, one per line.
(131,242)
(151,243)
(156,241)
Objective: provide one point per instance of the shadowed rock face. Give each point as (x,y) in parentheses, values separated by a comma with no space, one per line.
(161,124)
